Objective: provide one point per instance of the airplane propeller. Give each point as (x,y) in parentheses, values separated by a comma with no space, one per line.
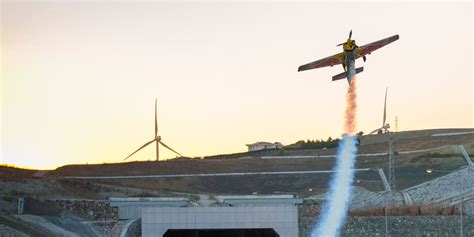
(356,46)
(350,36)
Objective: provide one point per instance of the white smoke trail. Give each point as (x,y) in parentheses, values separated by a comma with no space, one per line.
(334,211)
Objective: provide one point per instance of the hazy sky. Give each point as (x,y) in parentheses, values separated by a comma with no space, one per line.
(79,79)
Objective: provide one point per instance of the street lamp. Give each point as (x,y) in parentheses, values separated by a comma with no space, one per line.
(430,171)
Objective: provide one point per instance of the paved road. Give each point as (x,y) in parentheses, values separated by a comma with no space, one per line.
(377,154)
(207,175)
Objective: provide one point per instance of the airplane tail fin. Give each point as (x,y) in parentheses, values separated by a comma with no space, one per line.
(339,76)
(359,69)
(344,74)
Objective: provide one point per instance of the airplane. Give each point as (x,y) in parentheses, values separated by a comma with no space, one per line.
(348,56)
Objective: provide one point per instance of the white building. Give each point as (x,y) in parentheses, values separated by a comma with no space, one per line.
(264,145)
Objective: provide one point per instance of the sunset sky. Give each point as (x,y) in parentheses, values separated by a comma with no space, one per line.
(79,80)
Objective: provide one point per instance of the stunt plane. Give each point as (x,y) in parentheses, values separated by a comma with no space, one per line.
(348,56)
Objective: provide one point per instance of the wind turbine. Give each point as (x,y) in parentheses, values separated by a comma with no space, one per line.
(158,141)
(385,126)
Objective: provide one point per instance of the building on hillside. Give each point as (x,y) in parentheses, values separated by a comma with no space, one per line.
(264,145)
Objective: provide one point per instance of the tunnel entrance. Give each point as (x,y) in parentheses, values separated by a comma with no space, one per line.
(221,232)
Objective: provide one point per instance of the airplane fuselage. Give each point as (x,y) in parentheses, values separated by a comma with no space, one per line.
(349,64)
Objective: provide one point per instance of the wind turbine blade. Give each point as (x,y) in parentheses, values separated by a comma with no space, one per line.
(170,148)
(385,108)
(156,121)
(376,130)
(146,144)
(350,34)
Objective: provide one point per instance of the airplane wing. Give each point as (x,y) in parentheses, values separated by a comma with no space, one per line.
(369,48)
(325,62)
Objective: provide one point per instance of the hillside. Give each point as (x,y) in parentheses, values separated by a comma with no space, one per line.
(247,162)
(415,151)
(412,149)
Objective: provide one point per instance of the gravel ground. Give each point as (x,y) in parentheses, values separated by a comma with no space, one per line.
(445,190)
(87,209)
(432,226)
(452,184)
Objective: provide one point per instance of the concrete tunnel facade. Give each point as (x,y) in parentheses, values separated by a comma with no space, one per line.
(156,221)
(243,216)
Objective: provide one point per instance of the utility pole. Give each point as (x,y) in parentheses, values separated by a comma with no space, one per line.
(391,165)
(391,181)
(386,217)
(462,199)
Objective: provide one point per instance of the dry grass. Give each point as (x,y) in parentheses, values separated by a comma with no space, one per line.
(193,167)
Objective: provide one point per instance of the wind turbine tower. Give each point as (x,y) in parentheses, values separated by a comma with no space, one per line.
(385,126)
(396,123)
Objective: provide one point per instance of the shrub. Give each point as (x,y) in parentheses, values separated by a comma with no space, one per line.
(194,198)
